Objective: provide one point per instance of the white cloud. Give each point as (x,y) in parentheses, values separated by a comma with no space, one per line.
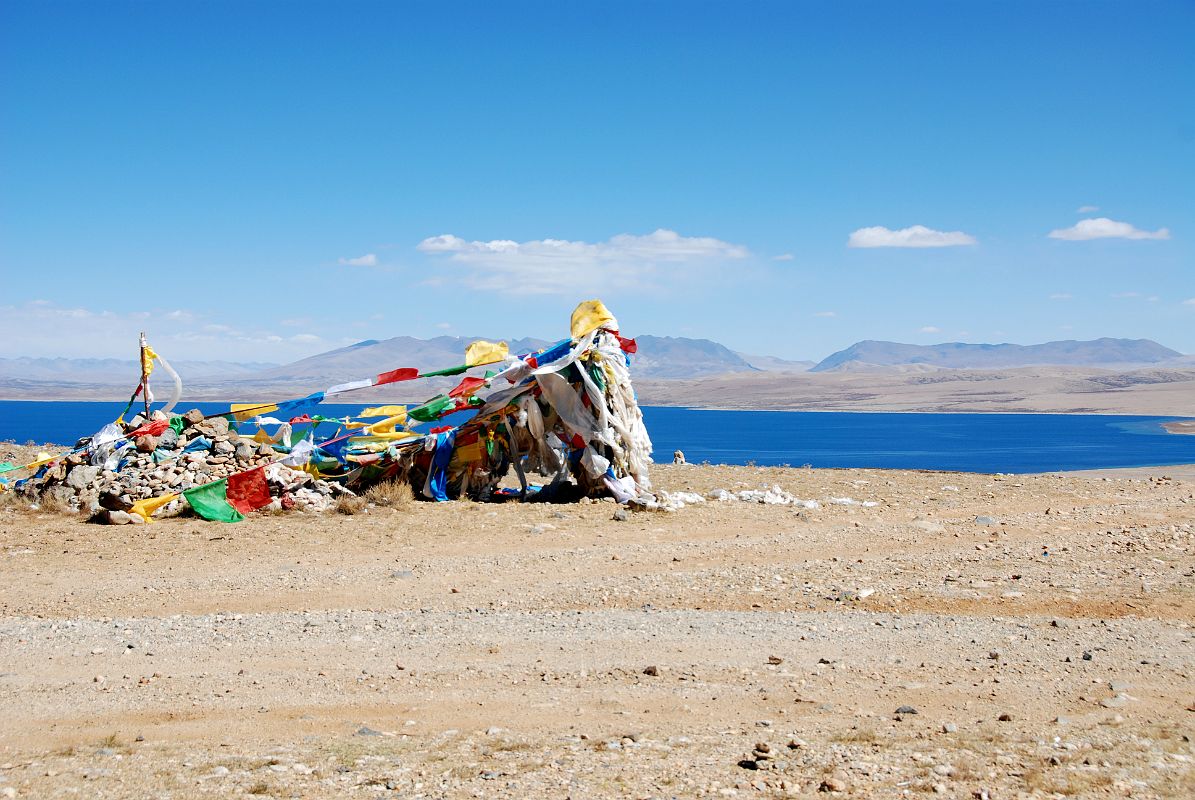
(1061,296)
(444,326)
(915,236)
(1087,209)
(1125,295)
(177,334)
(367,260)
(552,266)
(930,329)
(1104,228)
(826,314)
(1190,302)
(783,257)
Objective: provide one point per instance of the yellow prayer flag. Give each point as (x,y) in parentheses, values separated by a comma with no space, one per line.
(483,352)
(469,452)
(387,425)
(147,360)
(589,316)
(146,508)
(383,411)
(246,411)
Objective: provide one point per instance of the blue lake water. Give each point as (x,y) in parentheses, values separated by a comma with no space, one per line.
(963,442)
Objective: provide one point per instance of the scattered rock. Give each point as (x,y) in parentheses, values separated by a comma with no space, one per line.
(652,670)
(906,710)
(835,782)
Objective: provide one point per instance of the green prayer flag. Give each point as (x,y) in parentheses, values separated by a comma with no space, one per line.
(442,372)
(432,409)
(8,466)
(177,424)
(211,502)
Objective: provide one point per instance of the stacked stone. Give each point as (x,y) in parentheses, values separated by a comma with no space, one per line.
(156,465)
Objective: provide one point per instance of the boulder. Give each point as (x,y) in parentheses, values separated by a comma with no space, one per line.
(168,440)
(82,476)
(193,417)
(213,428)
(146,444)
(116,517)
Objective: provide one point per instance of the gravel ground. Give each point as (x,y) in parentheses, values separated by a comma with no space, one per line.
(967,636)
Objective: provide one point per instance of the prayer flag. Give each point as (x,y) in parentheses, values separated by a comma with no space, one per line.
(147,359)
(155,428)
(432,409)
(364,383)
(383,411)
(244,411)
(248,491)
(467,386)
(483,352)
(210,501)
(443,372)
(146,508)
(589,316)
(395,375)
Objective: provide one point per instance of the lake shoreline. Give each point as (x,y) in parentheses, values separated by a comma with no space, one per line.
(973,443)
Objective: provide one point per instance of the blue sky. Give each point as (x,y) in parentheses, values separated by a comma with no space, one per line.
(263,181)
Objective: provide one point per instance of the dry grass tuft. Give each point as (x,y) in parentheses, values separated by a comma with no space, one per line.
(858,736)
(391,494)
(350,504)
(14,503)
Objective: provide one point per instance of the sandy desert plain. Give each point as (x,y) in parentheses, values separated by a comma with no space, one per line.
(968,636)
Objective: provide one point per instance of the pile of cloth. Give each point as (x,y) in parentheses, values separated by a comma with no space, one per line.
(566,414)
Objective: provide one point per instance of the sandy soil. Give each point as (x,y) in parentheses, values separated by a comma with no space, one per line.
(465,650)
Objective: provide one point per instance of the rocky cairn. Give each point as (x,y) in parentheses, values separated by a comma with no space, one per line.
(206,450)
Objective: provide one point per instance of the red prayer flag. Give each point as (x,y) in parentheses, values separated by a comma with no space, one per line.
(395,375)
(300,420)
(467,386)
(248,491)
(154,428)
(628,345)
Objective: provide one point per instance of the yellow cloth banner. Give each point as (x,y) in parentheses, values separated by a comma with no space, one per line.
(387,425)
(589,316)
(470,452)
(483,352)
(146,508)
(384,411)
(147,360)
(247,411)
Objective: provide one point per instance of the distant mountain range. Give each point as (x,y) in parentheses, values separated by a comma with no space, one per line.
(660,359)
(116,370)
(959,355)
